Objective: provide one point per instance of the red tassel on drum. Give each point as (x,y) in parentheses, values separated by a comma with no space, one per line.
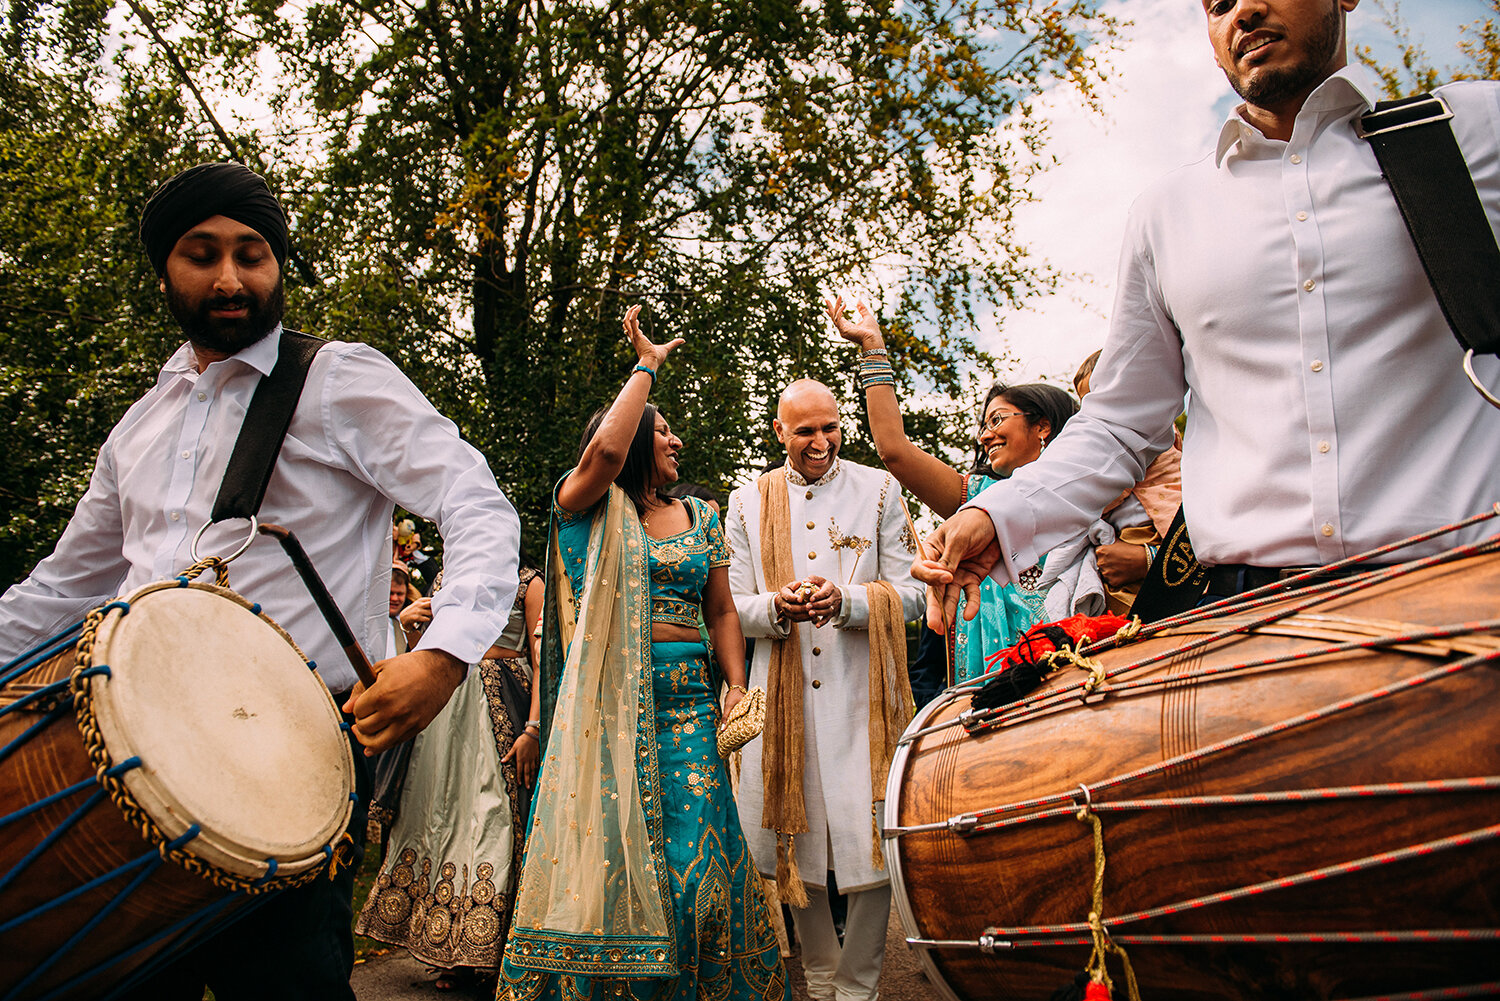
(1096,992)
(1025,665)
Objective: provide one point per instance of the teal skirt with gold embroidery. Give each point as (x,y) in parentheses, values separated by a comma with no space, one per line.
(726,946)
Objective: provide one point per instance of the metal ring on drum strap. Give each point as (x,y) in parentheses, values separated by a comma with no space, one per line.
(1474,380)
(254,529)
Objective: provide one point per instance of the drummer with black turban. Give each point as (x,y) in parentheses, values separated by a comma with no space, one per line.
(362,439)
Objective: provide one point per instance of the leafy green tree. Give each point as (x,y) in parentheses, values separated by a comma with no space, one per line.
(481,189)
(81,335)
(1415,72)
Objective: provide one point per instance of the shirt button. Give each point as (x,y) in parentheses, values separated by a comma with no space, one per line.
(1317,365)
(809,495)
(175,516)
(817,683)
(1309,285)
(1327,529)
(812,556)
(187,455)
(1302,217)
(810,525)
(1296,159)
(817,650)
(202,397)
(1323,446)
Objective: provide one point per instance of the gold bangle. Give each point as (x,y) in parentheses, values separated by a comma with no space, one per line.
(739,688)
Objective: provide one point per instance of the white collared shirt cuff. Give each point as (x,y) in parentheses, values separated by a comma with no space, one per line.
(1015,540)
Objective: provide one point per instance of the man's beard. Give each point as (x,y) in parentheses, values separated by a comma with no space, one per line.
(1274,87)
(225,335)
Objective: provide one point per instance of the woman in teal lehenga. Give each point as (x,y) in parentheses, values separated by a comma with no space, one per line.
(1015,424)
(637,880)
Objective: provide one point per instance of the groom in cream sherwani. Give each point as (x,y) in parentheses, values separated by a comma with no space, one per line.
(821,554)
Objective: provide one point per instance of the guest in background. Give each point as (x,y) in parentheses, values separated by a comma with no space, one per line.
(1015,425)
(447,886)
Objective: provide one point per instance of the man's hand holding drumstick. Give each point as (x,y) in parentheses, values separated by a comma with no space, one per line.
(409,691)
(953,560)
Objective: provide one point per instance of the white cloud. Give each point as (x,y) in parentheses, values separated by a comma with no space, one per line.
(1163,104)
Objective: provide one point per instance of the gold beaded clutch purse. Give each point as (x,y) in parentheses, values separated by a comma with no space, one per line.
(744,722)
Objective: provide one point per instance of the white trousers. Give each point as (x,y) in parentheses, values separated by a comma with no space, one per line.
(850,972)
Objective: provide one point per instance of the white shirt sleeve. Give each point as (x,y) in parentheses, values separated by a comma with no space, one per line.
(86,569)
(1125,423)
(395,440)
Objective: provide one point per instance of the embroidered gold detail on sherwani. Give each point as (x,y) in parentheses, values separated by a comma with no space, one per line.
(838,540)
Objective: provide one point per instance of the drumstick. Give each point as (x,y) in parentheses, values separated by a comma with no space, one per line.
(324,601)
(922,552)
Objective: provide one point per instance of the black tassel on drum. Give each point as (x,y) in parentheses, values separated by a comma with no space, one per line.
(1028,666)
(1023,666)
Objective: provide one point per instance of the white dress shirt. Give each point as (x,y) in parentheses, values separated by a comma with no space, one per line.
(1276,284)
(362,437)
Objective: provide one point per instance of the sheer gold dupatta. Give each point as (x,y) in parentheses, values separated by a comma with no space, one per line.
(593,897)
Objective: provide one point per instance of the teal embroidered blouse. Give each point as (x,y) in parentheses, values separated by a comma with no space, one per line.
(678,565)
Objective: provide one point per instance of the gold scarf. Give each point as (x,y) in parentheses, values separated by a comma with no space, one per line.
(783,754)
(593,896)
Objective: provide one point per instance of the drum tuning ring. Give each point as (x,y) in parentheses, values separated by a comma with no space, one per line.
(254,530)
(963,823)
(1088,798)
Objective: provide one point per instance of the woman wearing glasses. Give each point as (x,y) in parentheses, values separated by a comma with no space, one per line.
(1016,423)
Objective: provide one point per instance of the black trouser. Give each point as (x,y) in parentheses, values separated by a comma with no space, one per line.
(297,945)
(1229,580)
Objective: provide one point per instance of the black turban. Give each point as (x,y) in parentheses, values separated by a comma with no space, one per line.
(204,191)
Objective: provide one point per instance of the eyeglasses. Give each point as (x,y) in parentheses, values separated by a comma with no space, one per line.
(993,421)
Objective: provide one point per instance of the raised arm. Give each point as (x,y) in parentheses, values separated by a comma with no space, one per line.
(605,455)
(933,481)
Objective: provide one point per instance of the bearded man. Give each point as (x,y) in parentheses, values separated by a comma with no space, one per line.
(1275,279)
(820,554)
(361,439)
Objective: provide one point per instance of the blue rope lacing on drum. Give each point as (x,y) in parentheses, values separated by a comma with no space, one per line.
(271,867)
(41,724)
(42,652)
(39,695)
(190,927)
(63,828)
(149,864)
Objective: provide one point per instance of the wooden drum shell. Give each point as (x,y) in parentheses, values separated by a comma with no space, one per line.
(52,760)
(953,887)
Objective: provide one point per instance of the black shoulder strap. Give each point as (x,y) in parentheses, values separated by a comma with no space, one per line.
(264,428)
(1421,161)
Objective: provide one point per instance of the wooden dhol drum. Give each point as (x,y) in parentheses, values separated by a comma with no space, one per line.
(192,762)
(1323,825)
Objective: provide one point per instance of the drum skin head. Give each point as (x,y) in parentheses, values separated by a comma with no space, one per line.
(235,733)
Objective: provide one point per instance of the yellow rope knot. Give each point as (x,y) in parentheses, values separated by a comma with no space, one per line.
(1096,967)
(217,564)
(1129,631)
(1069,656)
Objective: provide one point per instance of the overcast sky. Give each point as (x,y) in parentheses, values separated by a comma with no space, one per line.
(1163,108)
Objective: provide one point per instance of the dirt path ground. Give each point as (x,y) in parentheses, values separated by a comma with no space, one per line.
(397,976)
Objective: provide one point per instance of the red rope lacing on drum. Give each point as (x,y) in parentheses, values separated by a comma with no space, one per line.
(1105,934)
